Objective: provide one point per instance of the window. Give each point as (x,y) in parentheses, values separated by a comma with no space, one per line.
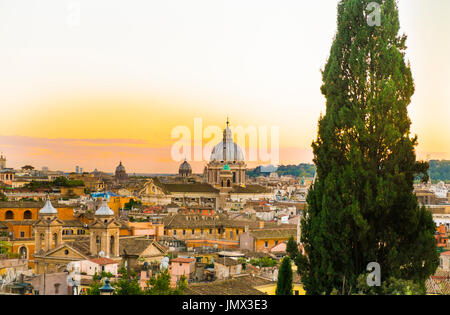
(111,245)
(22,234)
(276,242)
(27,215)
(193,232)
(184,232)
(174,232)
(9,215)
(210,231)
(266,244)
(296,292)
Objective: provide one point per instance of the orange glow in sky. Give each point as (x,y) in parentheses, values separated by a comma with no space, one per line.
(95,82)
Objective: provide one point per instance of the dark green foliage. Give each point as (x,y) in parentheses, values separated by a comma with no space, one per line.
(292,248)
(160,285)
(129,205)
(94,287)
(361,208)
(57,182)
(263,262)
(390,287)
(439,170)
(127,284)
(4,248)
(284,283)
(305,170)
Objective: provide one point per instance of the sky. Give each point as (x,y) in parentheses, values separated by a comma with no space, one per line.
(95,82)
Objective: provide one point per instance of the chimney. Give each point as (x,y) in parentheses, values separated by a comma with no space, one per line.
(261,224)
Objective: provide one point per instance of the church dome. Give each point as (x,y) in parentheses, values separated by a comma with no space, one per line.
(185,168)
(121,174)
(120,168)
(48,208)
(227,149)
(104,209)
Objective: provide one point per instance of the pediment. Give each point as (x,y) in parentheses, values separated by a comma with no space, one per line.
(54,222)
(153,250)
(101,224)
(64,251)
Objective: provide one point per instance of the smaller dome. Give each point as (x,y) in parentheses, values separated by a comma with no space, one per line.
(120,168)
(48,208)
(185,169)
(121,174)
(226,167)
(104,209)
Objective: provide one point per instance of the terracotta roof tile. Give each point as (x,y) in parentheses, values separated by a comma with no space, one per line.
(183,260)
(103,261)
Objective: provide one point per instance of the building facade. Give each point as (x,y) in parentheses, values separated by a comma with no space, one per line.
(227,165)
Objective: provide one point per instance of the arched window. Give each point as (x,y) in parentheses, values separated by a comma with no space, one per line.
(55,240)
(97,241)
(9,215)
(27,215)
(23,252)
(228,183)
(111,246)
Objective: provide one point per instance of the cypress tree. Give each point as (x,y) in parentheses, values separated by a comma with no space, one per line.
(292,248)
(284,283)
(362,208)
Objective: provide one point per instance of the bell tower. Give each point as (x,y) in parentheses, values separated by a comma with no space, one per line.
(2,161)
(48,229)
(104,232)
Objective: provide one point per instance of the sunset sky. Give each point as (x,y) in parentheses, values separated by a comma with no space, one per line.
(109,84)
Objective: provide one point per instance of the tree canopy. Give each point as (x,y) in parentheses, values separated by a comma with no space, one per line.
(362,208)
(284,283)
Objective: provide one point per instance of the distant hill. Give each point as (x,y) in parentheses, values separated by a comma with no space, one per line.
(439,170)
(306,170)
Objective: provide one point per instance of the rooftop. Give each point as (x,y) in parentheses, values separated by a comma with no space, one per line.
(198,187)
(103,261)
(183,260)
(227,261)
(243,285)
